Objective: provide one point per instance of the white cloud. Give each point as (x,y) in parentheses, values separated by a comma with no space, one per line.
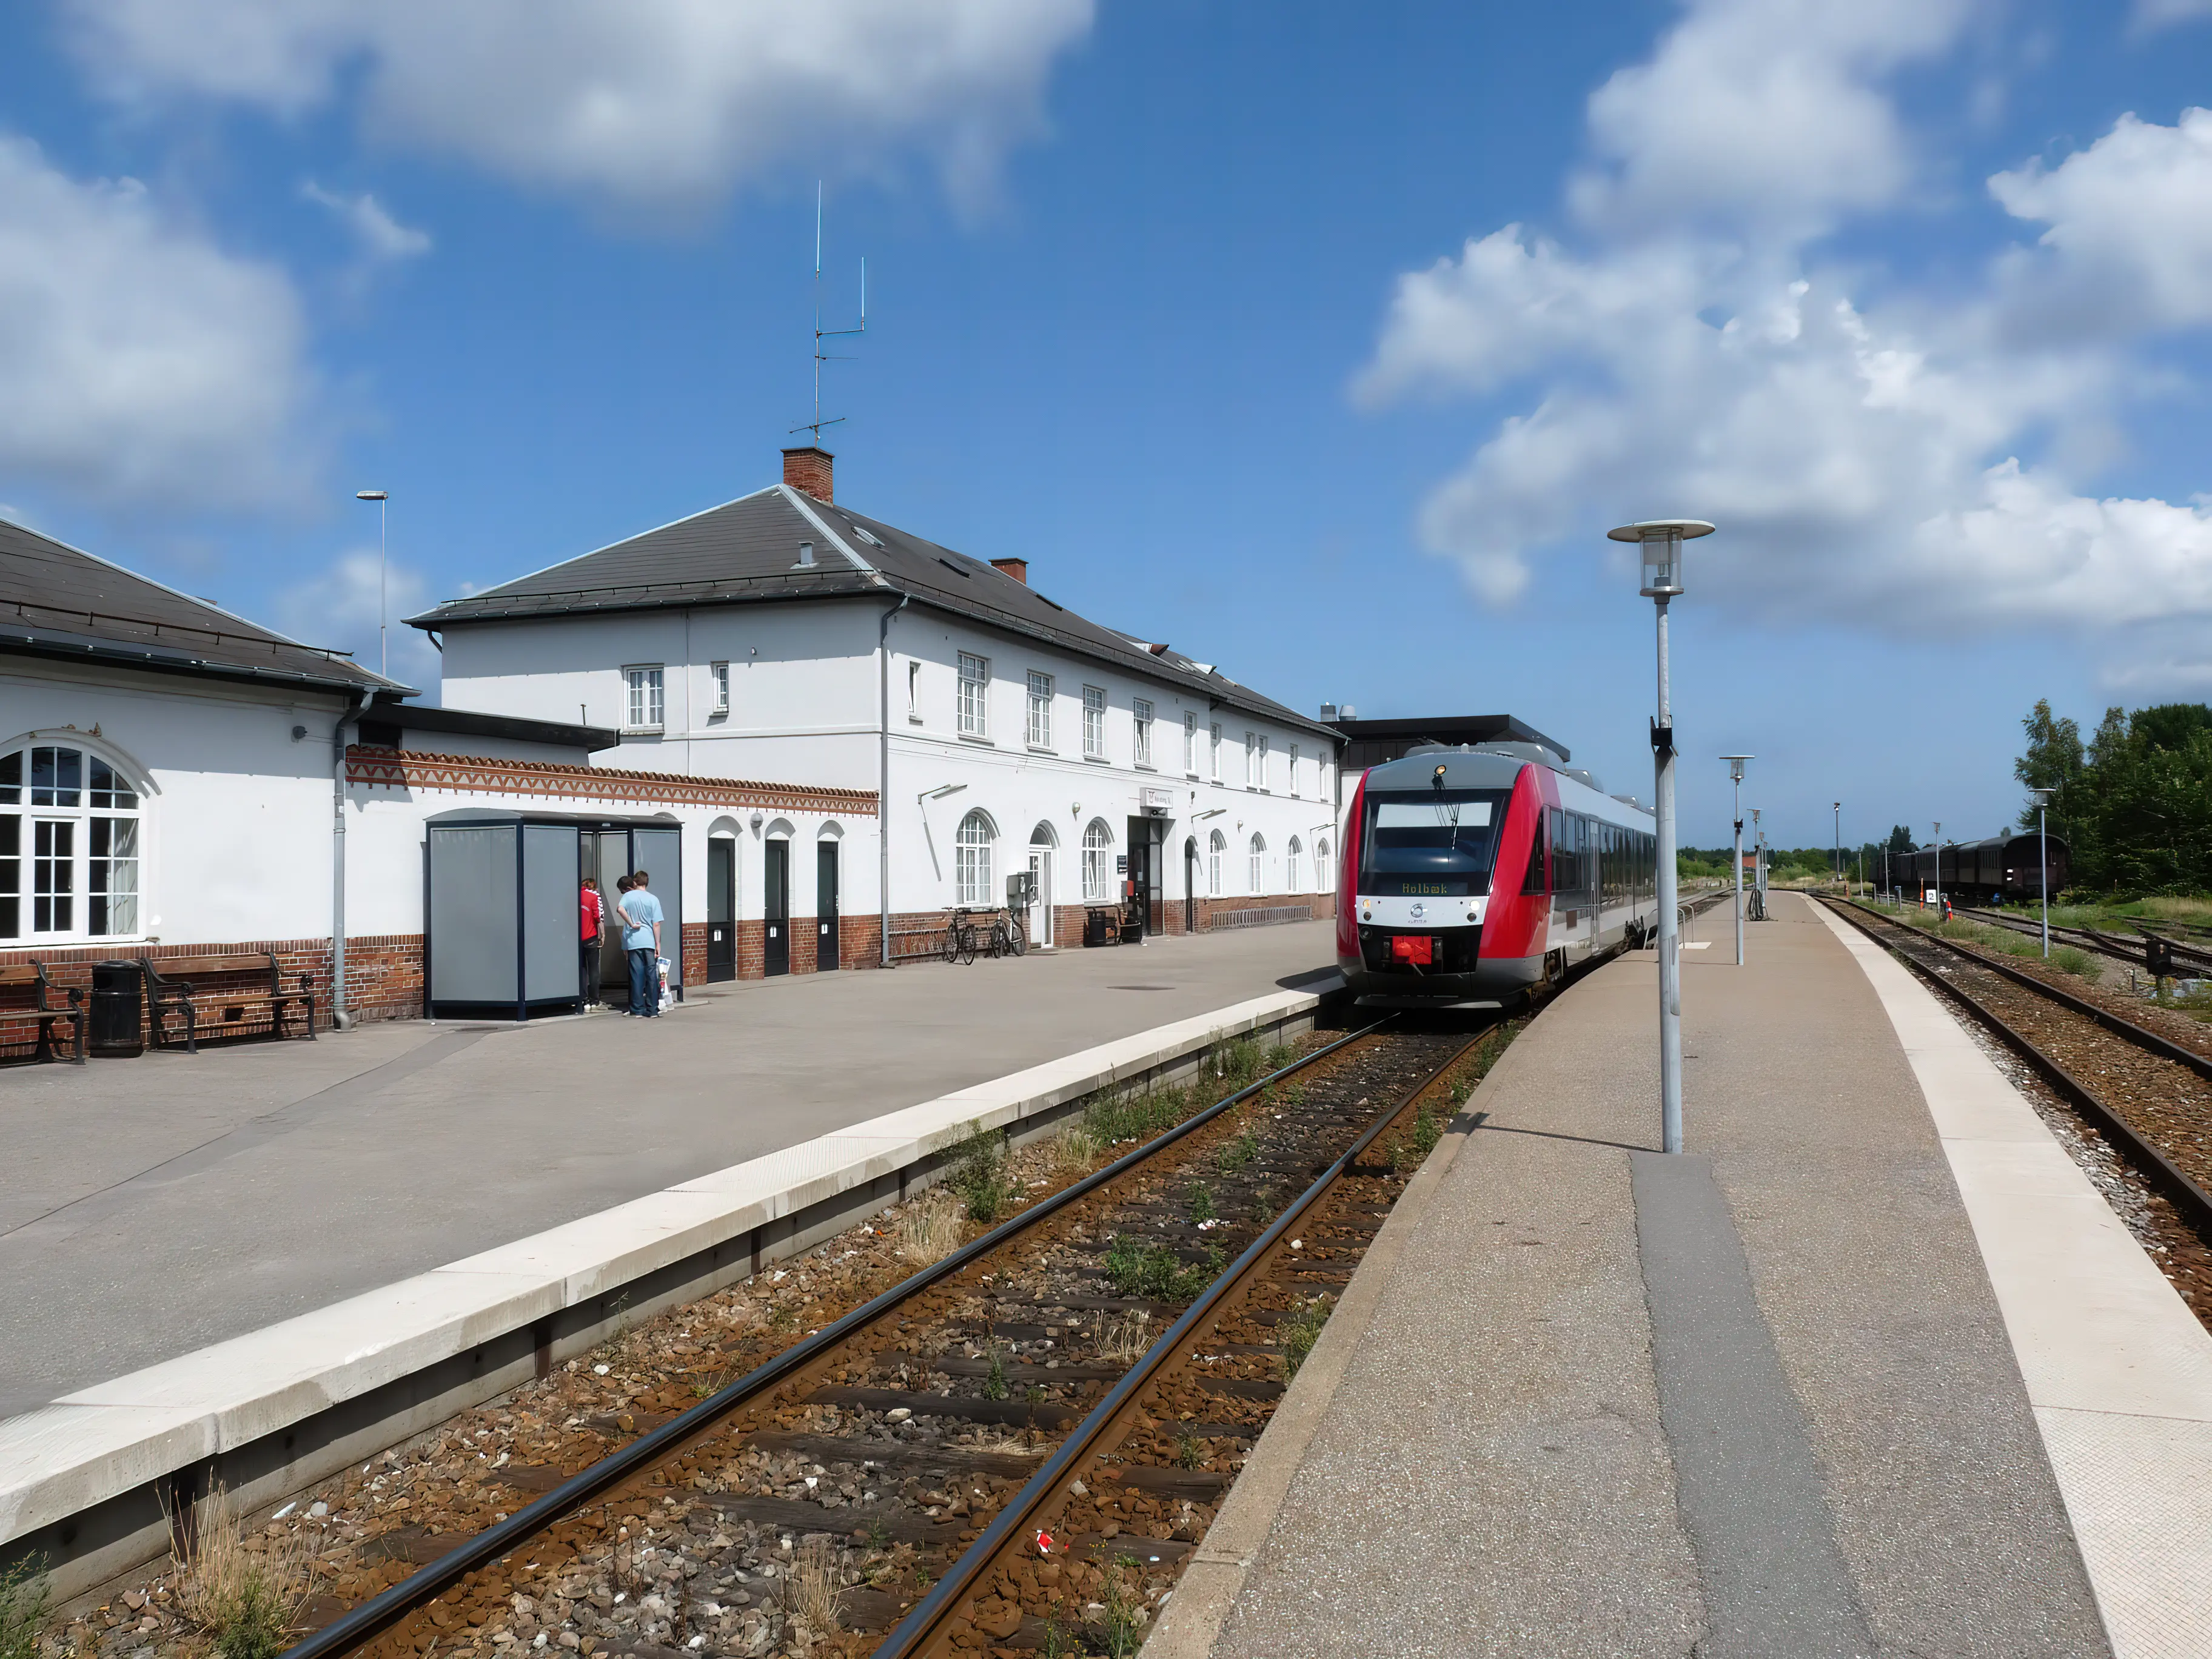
(337,609)
(2130,222)
(1760,112)
(139,363)
(1907,463)
(652,103)
(382,238)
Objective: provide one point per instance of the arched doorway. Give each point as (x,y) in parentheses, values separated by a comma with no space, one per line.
(1043,842)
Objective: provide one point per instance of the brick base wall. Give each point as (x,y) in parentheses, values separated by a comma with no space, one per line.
(384,981)
(383,972)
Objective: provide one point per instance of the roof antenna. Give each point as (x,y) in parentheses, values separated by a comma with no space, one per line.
(821,333)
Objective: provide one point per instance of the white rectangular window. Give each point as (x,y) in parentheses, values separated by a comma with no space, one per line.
(974,702)
(1263,763)
(913,692)
(112,892)
(720,670)
(644,712)
(1094,723)
(1190,745)
(1141,730)
(1294,785)
(1213,750)
(11,873)
(1040,729)
(53,875)
(1251,760)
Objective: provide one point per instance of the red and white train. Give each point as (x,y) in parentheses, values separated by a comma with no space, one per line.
(1471,875)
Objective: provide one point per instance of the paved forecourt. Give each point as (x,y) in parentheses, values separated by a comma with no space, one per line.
(150,1207)
(1871,1368)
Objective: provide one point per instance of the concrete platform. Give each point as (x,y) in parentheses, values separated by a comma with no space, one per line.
(504,1125)
(151,1206)
(1871,1368)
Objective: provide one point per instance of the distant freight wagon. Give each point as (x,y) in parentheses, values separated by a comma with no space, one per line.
(2000,867)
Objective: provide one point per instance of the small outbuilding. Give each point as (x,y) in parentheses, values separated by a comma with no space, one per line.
(501,905)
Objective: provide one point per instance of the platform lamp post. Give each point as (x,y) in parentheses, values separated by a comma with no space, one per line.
(1660,545)
(383,649)
(2043,853)
(1939,869)
(1735,776)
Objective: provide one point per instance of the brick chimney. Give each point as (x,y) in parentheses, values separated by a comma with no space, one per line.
(807,469)
(1017,568)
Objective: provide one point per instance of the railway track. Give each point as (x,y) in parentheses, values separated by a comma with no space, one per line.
(2138,952)
(2148,1097)
(1092,1370)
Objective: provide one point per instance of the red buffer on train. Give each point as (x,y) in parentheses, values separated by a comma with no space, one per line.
(1470,876)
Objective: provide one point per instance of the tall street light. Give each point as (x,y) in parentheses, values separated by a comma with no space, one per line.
(1735,776)
(2043,852)
(1660,542)
(1839,841)
(1939,869)
(383,646)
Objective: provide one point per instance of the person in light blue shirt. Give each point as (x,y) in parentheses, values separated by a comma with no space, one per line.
(641,918)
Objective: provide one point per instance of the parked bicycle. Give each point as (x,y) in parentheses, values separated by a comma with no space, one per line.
(969,934)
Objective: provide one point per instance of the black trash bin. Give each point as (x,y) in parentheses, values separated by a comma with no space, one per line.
(118,1017)
(1098,927)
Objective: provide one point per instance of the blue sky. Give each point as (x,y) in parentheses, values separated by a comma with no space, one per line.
(1325,349)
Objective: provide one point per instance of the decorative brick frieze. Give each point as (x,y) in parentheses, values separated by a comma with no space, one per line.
(373,766)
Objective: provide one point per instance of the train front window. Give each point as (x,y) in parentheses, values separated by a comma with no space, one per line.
(1430,843)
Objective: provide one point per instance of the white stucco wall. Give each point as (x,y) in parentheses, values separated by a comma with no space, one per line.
(804,700)
(236,818)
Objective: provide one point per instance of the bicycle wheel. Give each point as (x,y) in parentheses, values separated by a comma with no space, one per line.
(999,946)
(1017,940)
(967,942)
(950,950)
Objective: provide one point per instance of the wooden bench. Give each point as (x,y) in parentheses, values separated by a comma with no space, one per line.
(170,989)
(31,977)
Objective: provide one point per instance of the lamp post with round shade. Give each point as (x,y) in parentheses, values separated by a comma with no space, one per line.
(1735,776)
(1660,542)
(383,647)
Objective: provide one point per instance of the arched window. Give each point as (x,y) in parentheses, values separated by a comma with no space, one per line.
(1216,846)
(1259,852)
(971,858)
(1097,862)
(70,845)
(1323,875)
(1291,866)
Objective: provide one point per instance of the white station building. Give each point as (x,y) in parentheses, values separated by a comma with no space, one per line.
(828,733)
(785,638)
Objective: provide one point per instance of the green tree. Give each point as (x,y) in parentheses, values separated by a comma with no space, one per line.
(2134,803)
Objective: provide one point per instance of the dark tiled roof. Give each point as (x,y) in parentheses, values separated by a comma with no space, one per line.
(748,550)
(56,601)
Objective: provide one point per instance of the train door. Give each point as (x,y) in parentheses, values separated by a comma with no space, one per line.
(828,936)
(721,909)
(776,879)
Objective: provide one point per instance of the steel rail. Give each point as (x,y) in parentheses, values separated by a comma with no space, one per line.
(2089,938)
(2142,1036)
(2194,1203)
(925,1624)
(363,1623)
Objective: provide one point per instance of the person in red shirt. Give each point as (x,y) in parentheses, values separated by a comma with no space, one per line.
(591,918)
